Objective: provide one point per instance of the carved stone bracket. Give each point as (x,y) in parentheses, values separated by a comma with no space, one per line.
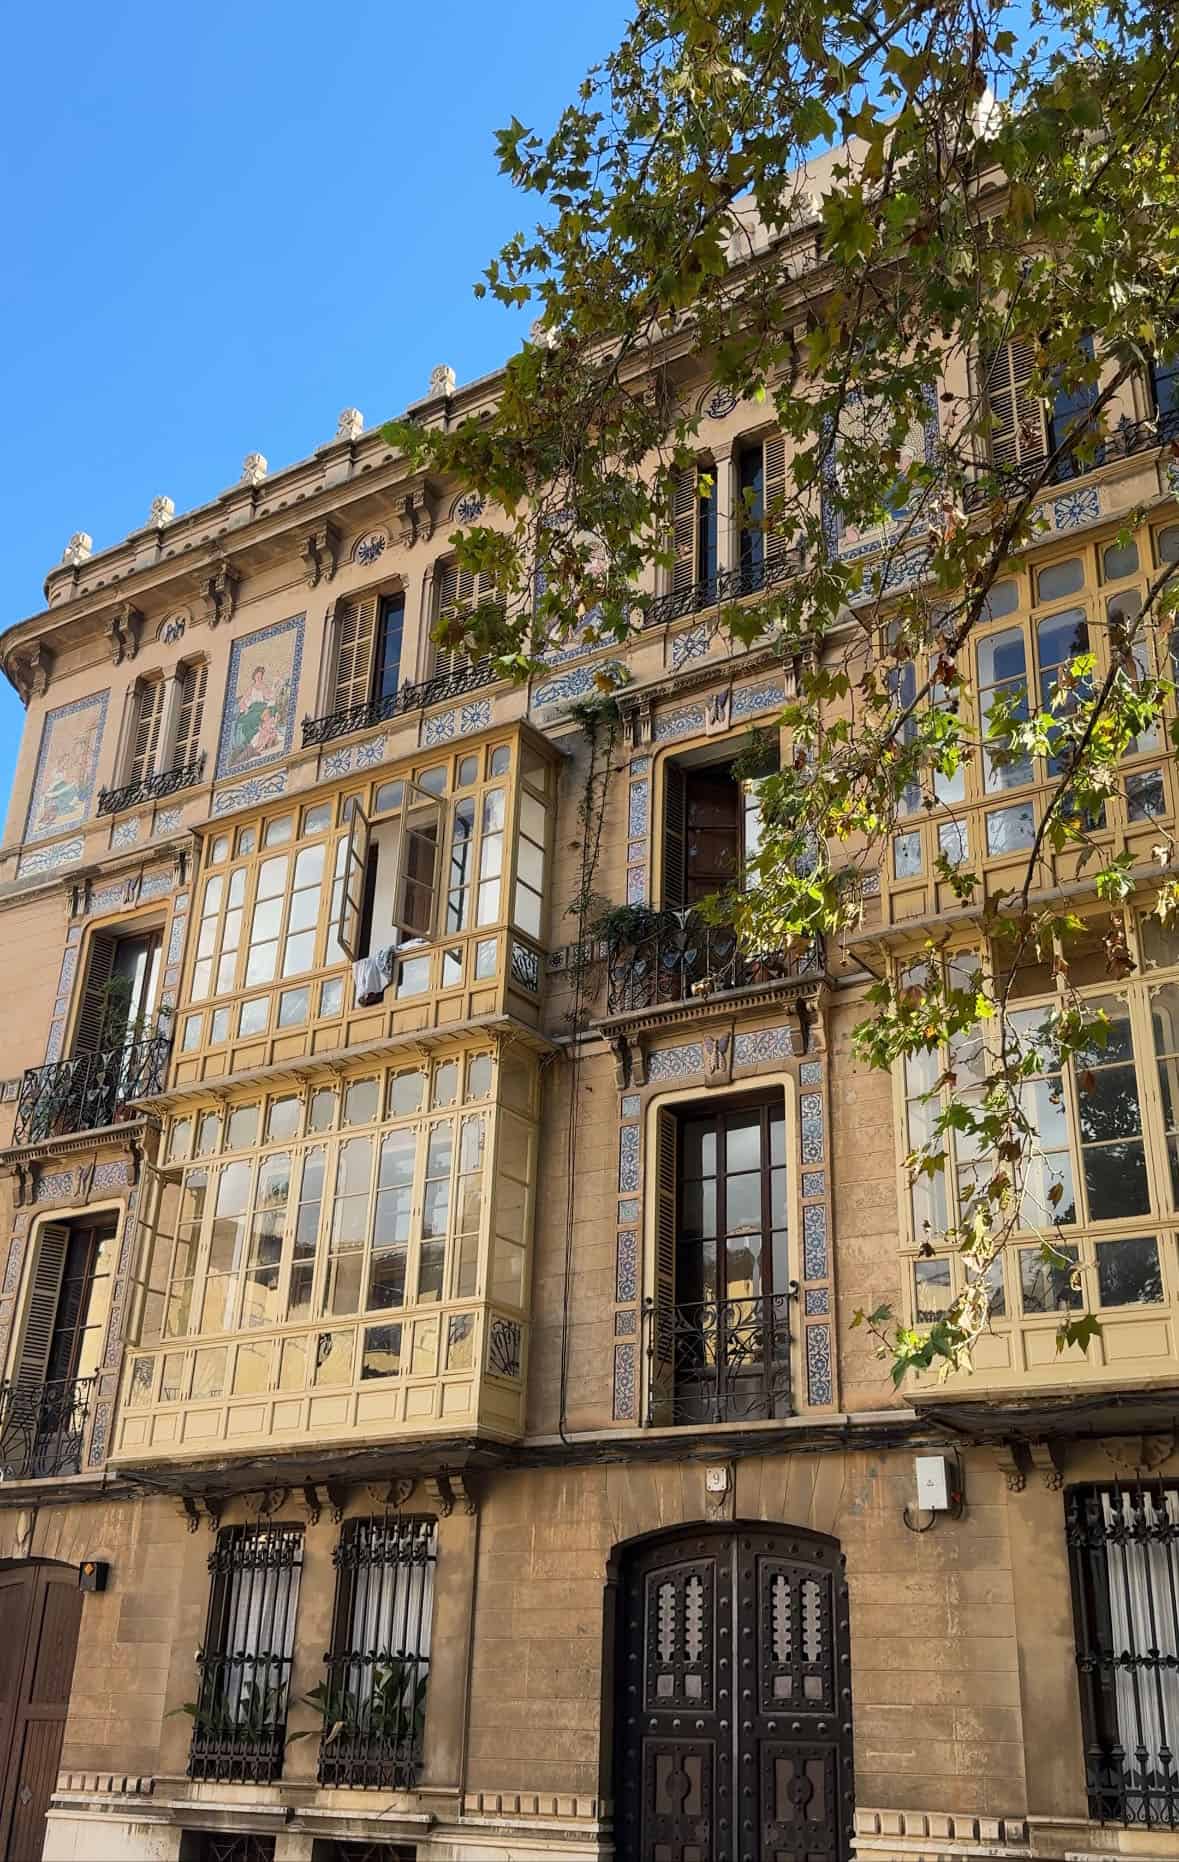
(220,592)
(337,1496)
(438,1488)
(123,631)
(415,511)
(621,1052)
(311,1502)
(462,1493)
(718,1057)
(1048,1460)
(637,719)
(400,1491)
(320,554)
(1010,1466)
(31,672)
(192,1504)
(717,711)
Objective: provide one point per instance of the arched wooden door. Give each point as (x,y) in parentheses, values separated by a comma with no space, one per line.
(40,1610)
(732,1698)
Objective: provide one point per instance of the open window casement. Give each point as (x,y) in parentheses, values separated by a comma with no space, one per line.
(350,915)
(151,1256)
(675,836)
(419,854)
(460,591)
(95,1012)
(662,1360)
(53,1239)
(1017,419)
(686,519)
(773,495)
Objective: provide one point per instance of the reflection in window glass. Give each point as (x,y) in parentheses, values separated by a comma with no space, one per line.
(208,1373)
(1046,1277)
(303,915)
(180,1139)
(462,844)
(995,1290)
(1011,830)
(360,1102)
(445,1087)
(435,1212)
(322,1111)
(389,796)
(1164,1006)
(406,1093)
(192,1033)
(306,1229)
(293,1007)
(331,996)
(382,1351)
(485,955)
(530,861)
(247,840)
(501,756)
(1060,579)
(1110,1119)
(1168,542)
(413,976)
(1002,599)
(219,1026)
(953,842)
(278,832)
(468,772)
(927,1195)
(262,955)
(260,1305)
(1060,639)
(1002,677)
(391,1223)
(219,850)
(1120,559)
(318,818)
(906,850)
(460,1341)
(242,1130)
(932,1289)
(282,1119)
(491,857)
(1145,797)
(349,1230)
(208,1133)
(1128,1272)
(253,1015)
(333,1357)
(478,1076)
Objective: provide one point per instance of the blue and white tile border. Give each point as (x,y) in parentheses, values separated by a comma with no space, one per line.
(626,1258)
(816,1250)
(246,794)
(638,827)
(48,859)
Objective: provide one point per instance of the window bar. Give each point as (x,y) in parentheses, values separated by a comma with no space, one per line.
(1120,1539)
(240,1716)
(379,1662)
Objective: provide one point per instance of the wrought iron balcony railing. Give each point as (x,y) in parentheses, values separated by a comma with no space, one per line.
(409,698)
(374,1720)
(674,956)
(42,1427)
(239,1718)
(152,788)
(718,1360)
(89,1091)
(1128,438)
(728,585)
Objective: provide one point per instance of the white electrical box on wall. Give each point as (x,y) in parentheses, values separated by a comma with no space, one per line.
(935,1493)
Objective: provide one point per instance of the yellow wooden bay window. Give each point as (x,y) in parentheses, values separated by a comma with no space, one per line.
(349,1257)
(1099,1183)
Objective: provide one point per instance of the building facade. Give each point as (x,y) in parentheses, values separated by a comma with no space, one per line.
(433,1425)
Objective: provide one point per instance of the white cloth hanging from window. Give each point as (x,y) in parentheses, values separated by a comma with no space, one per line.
(372,975)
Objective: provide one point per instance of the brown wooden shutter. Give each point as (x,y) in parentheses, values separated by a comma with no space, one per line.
(663,1316)
(1017,419)
(145,730)
(53,1238)
(685,528)
(355,636)
(460,591)
(94,1009)
(773,495)
(190,713)
(675,835)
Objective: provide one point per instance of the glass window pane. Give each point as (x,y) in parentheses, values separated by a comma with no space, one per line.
(932,1289)
(1120,559)
(382,1351)
(1047,1283)
(278,831)
(293,1007)
(1011,830)
(1128,1272)
(360,1102)
(1060,579)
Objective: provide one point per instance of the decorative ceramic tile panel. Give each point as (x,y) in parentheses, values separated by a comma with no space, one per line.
(637,807)
(53,1044)
(98,1434)
(157,885)
(126,833)
(814,1183)
(176,937)
(74,934)
(338,763)
(626,1267)
(370,753)
(810,1107)
(636,851)
(682,723)
(817,1301)
(628,1210)
(672,1063)
(639,765)
(636,885)
(630,1105)
(108,898)
(248,794)
(818,1364)
(810,1073)
(624,1324)
(748,700)
(624,1383)
(575,683)
(67,761)
(626,1276)
(763,1044)
(54,1186)
(48,859)
(258,721)
(12,1268)
(815,1260)
(1076,507)
(111,1176)
(167,821)
(628,1158)
(688,646)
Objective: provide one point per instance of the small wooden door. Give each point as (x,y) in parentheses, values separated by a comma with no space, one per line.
(733,1698)
(40,1611)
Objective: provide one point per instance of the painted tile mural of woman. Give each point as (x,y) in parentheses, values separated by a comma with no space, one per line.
(259,704)
(66,766)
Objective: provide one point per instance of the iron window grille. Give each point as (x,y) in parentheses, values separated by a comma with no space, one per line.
(240,1713)
(1124,1565)
(433,691)
(665,957)
(225,1846)
(338,1849)
(374,1696)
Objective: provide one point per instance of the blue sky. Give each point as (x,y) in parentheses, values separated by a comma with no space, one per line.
(222,226)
